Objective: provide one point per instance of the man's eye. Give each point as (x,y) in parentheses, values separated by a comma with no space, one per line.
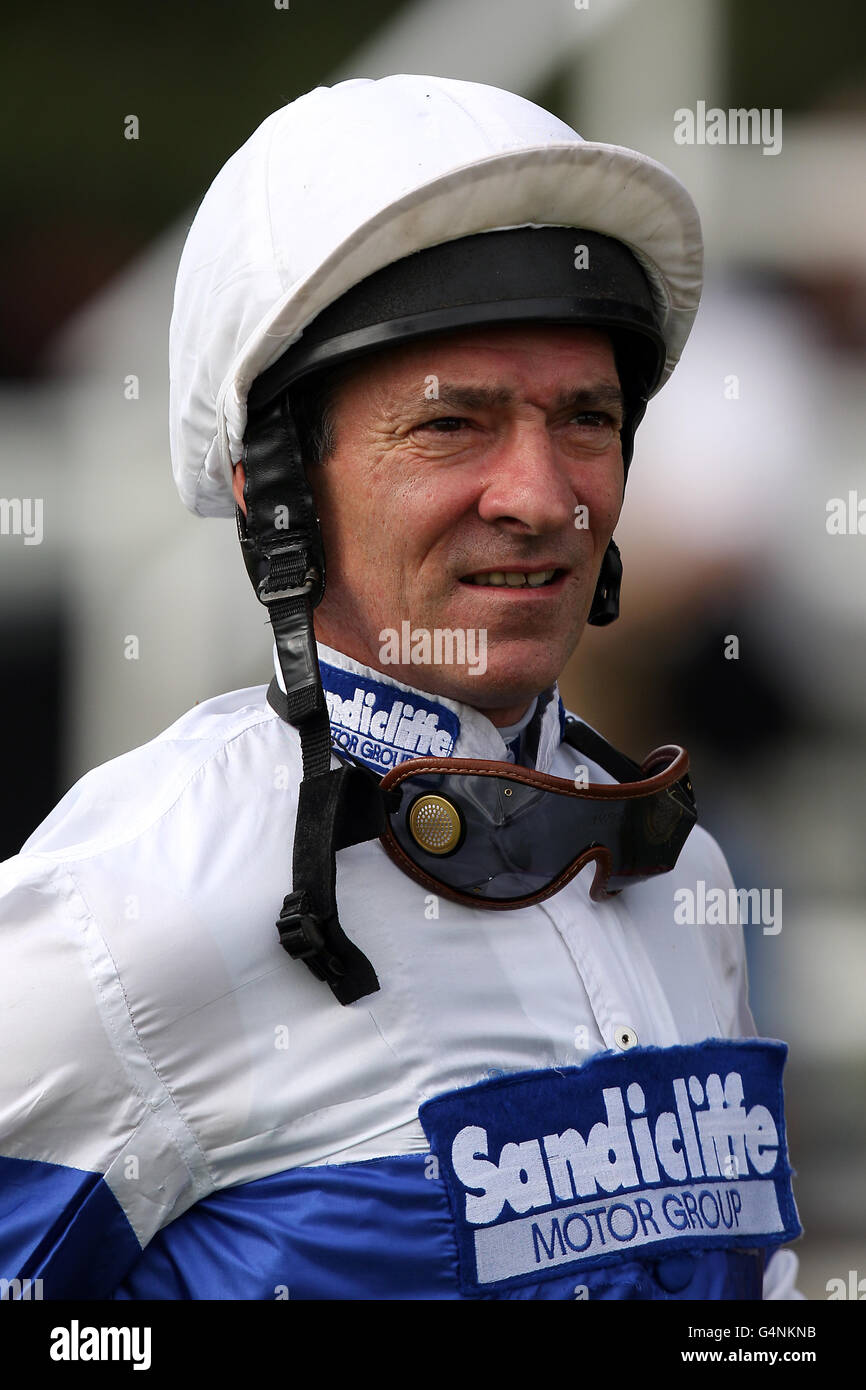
(595,418)
(445,424)
(595,429)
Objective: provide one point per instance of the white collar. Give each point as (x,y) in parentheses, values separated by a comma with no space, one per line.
(382,721)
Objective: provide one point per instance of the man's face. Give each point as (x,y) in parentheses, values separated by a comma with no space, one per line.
(468,460)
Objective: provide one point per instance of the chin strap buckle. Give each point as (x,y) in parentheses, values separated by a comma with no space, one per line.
(291,575)
(266,595)
(301,935)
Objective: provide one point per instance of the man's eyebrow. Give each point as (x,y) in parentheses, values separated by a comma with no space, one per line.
(472,397)
(603,396)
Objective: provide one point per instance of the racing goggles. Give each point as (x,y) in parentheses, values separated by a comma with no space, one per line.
(500,836)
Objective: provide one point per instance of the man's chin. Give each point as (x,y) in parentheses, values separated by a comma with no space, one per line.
(491,684)
(469,665)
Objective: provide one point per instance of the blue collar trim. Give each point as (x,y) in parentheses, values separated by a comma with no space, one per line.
(382,725)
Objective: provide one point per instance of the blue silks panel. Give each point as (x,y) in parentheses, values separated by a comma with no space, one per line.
(660,1152)
(64,1227)
(376,1230)
(668,1166)
(379,1230)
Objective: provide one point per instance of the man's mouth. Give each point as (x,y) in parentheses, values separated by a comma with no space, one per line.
(514,579)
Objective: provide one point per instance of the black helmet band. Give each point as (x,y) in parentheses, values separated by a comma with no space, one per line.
(522,275)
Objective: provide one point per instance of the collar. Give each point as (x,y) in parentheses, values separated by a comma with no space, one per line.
(382,722)
(513,734)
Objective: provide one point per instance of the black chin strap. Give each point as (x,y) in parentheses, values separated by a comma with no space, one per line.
(605,600)
(282,549)
(586,741)
(335,809)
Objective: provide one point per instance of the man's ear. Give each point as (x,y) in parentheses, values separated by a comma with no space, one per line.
(239,478)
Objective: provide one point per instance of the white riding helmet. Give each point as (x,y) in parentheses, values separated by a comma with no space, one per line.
(349,179)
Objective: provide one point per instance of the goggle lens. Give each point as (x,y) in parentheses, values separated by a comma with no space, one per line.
(507,837)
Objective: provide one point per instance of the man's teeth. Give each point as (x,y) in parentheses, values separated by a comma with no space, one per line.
(514,579)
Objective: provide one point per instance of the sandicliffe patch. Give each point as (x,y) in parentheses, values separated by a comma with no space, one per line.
(654,1150)
(383,725)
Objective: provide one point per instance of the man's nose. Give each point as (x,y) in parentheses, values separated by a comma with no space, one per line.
(529,483)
